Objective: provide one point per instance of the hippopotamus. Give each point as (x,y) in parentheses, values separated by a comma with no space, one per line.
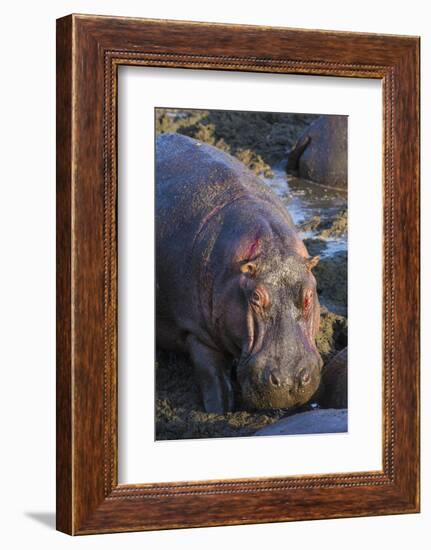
(234,282)
(333,390)
(320,154)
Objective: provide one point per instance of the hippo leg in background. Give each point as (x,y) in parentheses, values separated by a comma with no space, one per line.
(214,381)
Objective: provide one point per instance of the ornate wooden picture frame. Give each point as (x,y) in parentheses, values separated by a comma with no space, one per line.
(89,51)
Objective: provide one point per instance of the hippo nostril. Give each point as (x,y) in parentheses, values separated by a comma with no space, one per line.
(274,379)
(304,377)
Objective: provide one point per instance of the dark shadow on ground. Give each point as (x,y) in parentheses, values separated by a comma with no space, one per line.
(45,518)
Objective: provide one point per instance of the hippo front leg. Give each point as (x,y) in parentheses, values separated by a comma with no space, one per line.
(214,382)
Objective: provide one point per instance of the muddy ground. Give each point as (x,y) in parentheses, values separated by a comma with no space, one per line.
(260,140)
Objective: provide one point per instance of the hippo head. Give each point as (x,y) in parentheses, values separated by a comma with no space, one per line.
(273,316)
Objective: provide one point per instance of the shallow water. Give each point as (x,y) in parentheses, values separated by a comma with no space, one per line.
(305,199)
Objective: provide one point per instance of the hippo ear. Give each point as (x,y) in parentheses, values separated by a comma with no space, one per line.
(312,262)
(249,268)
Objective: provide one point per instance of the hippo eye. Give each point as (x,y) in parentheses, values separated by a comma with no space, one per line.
(308,297)
(255,298)
(259,297)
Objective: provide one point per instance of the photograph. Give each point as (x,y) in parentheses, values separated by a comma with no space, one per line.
(251,237)
(237,273)
(215,234)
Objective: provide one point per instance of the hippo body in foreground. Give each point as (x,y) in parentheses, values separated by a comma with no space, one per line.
(320,154)
(233,280)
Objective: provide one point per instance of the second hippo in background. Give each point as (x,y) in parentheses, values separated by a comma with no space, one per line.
(320,154)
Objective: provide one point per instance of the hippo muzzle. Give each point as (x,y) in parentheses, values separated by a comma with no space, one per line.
(277,385)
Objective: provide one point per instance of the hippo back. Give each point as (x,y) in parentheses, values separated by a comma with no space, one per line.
(193,178)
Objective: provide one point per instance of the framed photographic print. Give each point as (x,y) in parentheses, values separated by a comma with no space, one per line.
(237,274)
